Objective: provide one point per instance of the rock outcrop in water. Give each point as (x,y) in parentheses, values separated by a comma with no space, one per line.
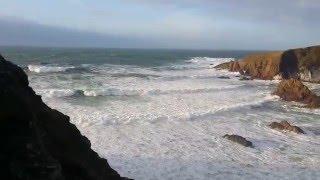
(261,66)
(284,125)
(295,90)
(238,139)
(38,142)
(302,63)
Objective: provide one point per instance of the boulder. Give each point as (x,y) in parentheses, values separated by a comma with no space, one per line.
(38,142)
(238,139)
(295,90)
(284,125)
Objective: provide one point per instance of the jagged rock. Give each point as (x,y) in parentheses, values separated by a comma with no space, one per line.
(225,65)
(38,142)
(295,90)
(234,66)
(238,139)
(284,125)
(303,63)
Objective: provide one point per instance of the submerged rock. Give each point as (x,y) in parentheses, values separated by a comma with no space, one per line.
(244,78)
(238,139)
(295,90)
(224,77)
(285,125)
(38,142)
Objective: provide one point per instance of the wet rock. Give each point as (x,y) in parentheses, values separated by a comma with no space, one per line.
(224,77)
(224,66)
(295,90)
(38,142)
(244,78)
(238,139)
(285,125)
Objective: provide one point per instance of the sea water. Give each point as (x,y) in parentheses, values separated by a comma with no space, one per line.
(161,114)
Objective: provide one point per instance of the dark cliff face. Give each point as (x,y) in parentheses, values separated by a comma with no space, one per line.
(38,142)
(303,62)
(289,65)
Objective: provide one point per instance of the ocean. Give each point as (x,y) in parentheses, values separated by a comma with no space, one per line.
(161,114)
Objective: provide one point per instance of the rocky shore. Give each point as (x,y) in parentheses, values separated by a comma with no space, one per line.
(39,142)
(302,63)
(292,67)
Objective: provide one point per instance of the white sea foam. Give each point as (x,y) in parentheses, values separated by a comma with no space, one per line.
(128,92)
(57,92)
(48,68)
(211,61)
(170,126)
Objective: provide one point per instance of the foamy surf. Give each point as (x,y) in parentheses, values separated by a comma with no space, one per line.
(167,122)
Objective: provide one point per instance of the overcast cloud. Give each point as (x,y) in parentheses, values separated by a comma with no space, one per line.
(195,24)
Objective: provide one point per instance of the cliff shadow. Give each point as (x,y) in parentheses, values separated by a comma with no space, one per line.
(289,65)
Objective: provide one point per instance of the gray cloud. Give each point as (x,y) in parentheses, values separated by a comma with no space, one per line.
(19,32)
(197,24)
(272,11)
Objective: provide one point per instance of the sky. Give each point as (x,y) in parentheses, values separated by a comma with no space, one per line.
(179,24)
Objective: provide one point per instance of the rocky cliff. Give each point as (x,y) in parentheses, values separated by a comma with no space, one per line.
(38,142)
(303,63)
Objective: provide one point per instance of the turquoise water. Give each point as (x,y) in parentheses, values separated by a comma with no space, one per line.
(161,114)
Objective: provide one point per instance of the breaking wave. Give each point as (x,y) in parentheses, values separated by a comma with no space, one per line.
(57,69)
(128,92)
(47,69)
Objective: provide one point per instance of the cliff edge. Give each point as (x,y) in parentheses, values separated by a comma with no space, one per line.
(38,142)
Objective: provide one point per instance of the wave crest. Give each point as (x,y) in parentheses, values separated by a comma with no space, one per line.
(208,60)
(48,69)
(128,92)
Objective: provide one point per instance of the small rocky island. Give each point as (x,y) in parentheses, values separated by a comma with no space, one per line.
(302,63)
(39,142)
